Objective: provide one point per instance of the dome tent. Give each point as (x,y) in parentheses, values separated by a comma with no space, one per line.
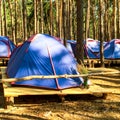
(88,52)
(112,49)
(6,46)
(41,54)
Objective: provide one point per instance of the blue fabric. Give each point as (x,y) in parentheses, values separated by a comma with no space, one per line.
(43,55)
(6,46)
(112,49)
(71,46)
(88,50)
(92,49)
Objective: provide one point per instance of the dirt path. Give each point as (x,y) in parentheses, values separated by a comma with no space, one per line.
(75,107)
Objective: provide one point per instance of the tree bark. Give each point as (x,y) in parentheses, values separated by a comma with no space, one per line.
(35,17)
(119,19)
(60,19)
(42,18)
(115,17)
(68,20)
(101,10)
(4,19)
(57,19)
(87,20)
(64,22)
(51,18)
(0,17)
(93,21)
(80,41)
(106,29)
(15,19)
(24,20)
(11,19)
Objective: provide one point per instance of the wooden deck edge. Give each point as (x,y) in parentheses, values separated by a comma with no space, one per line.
(58,93)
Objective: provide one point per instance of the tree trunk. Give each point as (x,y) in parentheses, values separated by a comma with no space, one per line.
(38,15)
(57,19)
(64,22)
(0,17)
(101,32)
(24,12)
(93,21)
(106,22)
(51,18)
(87,20)
(35,17)
(68,20)
(115,17)
(4,20)
(60,19)
(109,22)
(11,19)
(71,18)
(42,17)
(15,28)
(119,19)
(74,20)
(80,42)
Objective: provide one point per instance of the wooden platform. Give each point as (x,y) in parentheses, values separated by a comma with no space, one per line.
(4,60)
(12,92)
(18,91)
(92,62)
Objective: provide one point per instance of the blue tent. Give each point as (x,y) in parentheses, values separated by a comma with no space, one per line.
(88,51)
(93,45)
(112,49)
(71,46)
(6,46)
(41,54)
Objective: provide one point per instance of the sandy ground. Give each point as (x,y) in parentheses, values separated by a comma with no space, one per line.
(75,107)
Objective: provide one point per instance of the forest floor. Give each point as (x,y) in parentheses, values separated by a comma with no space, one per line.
(75,107)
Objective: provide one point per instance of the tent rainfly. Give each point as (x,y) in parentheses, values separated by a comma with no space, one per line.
(6,47)
(42,54)
(112,49)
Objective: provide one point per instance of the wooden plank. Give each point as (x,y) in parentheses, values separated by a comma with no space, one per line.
(18,91)
(4,60)
(3,103)
(2,97)
(92,62)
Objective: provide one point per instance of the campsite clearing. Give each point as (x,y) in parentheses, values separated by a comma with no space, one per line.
(78,107)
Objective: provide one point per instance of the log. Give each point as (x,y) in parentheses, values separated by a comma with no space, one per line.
(53,76)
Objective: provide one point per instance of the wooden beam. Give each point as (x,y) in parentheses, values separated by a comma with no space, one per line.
(2,97)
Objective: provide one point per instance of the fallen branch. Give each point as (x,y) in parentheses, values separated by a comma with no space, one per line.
(53,76)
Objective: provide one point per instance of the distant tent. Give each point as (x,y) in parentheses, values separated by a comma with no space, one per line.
(71,46)
(112,49)
(92,48)
(41,54)
(88,51)
(94,45)
(6,46)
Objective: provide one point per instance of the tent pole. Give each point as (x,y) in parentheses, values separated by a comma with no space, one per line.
(53,67)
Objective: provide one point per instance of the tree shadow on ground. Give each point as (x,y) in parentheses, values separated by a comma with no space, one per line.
(12,116)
